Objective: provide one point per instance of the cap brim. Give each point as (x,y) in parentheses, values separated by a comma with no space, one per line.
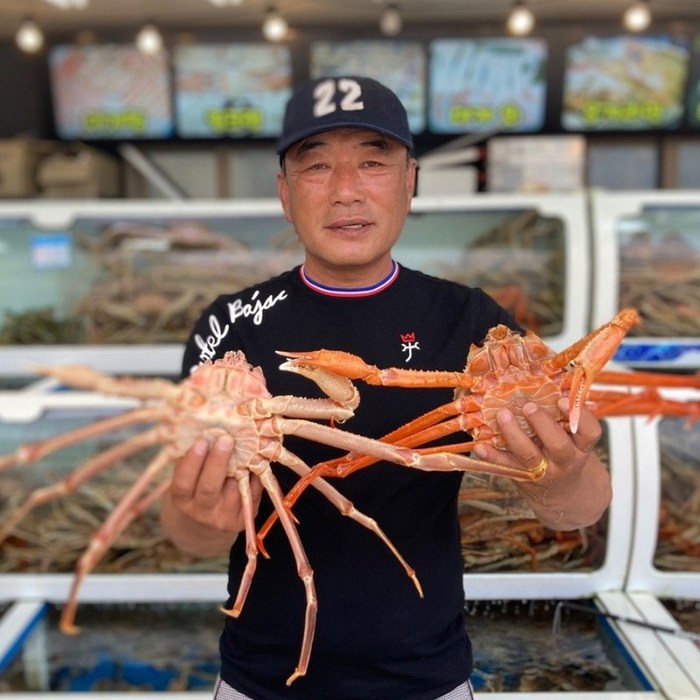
(287,143)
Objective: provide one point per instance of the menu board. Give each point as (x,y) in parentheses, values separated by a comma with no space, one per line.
(625,82)
(693,93)
(400,65)
(110,92)
(487,84)
(231,89)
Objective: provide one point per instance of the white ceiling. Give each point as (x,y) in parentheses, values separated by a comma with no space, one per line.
(362,15)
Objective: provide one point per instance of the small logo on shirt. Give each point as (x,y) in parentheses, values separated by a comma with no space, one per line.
(409,344)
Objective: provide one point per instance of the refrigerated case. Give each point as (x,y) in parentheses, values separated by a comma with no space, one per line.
(147,587)
(647,256)
(118,285)
(664,576)
(446,236)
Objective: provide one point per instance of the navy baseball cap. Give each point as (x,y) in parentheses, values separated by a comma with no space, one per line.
(332,103)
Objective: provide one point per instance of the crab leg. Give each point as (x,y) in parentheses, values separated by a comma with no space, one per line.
(34,451)
(86,471)
(657,379)
(83,377)
(304,570)
(346,364)
(343,504)
(646,403)
(125,511)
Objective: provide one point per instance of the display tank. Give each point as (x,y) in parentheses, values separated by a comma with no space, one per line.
(119,285)
(647,256)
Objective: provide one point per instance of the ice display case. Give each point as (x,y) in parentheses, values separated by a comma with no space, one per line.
(137,582)
(119,285)
(647,255)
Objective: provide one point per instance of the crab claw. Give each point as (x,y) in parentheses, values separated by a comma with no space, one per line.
(599,348)
(334,385)
(337,362)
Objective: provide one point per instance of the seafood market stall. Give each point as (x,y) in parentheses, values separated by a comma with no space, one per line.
(647,255)
(118,285)
(520,580)
(512,581)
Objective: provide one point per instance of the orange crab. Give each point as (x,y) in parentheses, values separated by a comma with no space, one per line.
(507,370)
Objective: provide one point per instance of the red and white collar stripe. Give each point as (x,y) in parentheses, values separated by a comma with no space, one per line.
(353,291)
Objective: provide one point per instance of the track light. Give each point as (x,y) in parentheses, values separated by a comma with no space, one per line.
(149,39)
(391,20)
(520,20)
(274,26)
(68,4)
(637,16)
(29,37)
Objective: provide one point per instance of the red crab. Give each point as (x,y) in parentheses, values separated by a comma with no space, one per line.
(507,370)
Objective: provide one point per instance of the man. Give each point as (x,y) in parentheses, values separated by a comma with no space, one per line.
(346,183)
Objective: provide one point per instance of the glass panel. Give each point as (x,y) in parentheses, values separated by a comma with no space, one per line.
(516,649)
(678,541)
(659,257)
(516,256)
(130,280)
(121,648)
(174,647)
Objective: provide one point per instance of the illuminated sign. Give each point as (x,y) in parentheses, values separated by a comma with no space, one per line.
(626,82)
(110,92)
(231,89)
(487,84)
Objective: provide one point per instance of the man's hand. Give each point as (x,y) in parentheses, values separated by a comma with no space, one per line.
(202,512)
(575,490)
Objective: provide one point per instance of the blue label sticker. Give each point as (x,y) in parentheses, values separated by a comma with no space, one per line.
(51,251)
(656,352)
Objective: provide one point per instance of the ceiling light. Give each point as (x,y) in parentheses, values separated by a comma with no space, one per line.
(29,36)
(149,39)
(68,4)
(391,20)
(637,16)
(224,3)
(520,20)
(275,26)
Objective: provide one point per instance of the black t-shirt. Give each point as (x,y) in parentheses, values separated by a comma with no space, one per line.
(376,639)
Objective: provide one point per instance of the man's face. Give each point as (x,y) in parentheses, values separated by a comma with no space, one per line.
(347,193)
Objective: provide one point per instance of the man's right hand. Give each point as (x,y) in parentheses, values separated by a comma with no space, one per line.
(202,511)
